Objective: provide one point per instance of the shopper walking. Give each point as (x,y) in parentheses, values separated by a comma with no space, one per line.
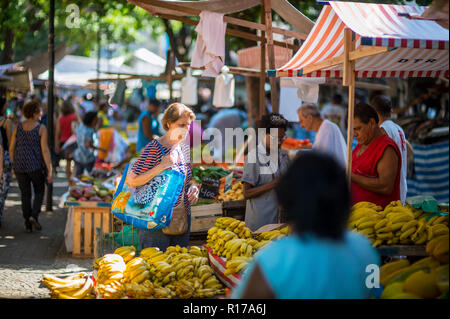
(6,176)
(151,162)
(321,259)
(84,155)
(64,130)
(30,156)
(148,124)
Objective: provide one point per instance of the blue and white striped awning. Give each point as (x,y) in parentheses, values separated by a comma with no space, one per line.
(431,171)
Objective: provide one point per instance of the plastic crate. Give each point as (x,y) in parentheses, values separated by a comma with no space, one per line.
(107,243)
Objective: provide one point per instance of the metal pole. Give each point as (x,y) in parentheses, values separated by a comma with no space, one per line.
(97,94)
(50,98)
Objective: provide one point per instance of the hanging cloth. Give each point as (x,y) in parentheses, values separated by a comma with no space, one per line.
(224,89)
(189,89)
(209,51)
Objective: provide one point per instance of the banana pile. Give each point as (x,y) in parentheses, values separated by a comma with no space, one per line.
(236,226)
(136,271)
(127,253)
(230,238)
(273,234)
(178,272)
(235,193)
(78,286)
(110,274)
(236,265)
(396,224)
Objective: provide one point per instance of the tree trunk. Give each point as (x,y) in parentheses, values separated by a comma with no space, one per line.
(7,53)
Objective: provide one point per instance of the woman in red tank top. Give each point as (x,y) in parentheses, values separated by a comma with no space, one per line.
(64,132)
(376,161)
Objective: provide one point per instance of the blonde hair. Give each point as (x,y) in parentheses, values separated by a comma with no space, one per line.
(174,112)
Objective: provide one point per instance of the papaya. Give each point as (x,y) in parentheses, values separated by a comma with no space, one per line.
(422,284)
(392,290)
(405,295)
(403,274)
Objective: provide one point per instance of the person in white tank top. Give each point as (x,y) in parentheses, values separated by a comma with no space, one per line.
(383,106)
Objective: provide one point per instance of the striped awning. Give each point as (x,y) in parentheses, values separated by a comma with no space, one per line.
(416,48)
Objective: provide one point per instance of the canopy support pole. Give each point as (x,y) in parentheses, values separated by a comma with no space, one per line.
(349,80)
(271,53)
(262,76)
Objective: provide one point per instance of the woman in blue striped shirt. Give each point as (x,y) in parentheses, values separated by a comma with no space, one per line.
(176,121)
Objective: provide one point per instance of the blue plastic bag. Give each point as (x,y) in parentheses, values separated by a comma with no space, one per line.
(149,207)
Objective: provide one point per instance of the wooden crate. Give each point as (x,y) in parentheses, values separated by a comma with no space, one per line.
(93,215)
(204,217)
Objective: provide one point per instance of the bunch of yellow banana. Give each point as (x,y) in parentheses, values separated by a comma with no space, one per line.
(367,205)
(139,291)
(136,271)
(396,224)
(239,247)
(152,255)
(272,234)
(194,288)
(79,286)
(233,225)
(109,276)
(236,265)
(127,252)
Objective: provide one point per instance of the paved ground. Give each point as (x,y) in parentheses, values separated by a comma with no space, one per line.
(24,257)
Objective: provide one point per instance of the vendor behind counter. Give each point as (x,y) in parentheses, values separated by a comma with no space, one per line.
(262,172)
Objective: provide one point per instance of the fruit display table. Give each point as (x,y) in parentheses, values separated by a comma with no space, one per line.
(402,250)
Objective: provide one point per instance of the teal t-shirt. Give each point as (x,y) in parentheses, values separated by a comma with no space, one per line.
(313,268)
(142,140)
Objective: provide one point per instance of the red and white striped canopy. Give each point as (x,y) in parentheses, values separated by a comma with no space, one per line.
(418,48)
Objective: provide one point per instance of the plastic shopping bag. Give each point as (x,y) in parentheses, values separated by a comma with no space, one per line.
(148,207)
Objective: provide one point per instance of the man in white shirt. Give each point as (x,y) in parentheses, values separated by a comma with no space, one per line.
(383,106)
(335,112)
(329,138)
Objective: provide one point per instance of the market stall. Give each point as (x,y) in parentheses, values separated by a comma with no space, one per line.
(352,40)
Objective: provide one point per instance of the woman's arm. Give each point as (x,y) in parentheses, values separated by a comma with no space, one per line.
(12,146)
(46,152)
(387,168)
(135,180)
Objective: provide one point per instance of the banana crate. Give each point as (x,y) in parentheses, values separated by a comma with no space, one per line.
(203,217)
(107,243)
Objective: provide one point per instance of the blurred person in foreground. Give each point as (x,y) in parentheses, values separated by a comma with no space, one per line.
(383,106)
(376,160)
(320,259)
